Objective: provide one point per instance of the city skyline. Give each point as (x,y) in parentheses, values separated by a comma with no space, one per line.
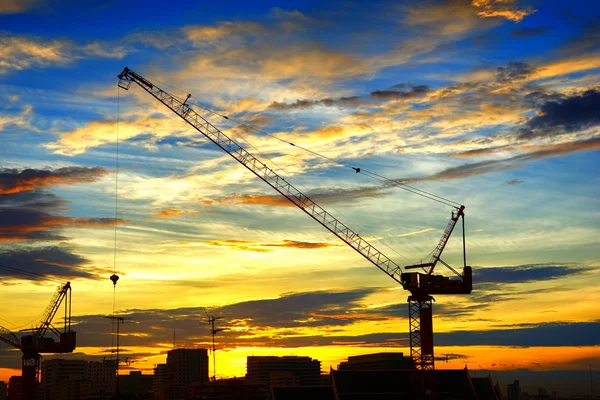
(493,104)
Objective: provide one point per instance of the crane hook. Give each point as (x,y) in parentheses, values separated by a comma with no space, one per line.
(114,278)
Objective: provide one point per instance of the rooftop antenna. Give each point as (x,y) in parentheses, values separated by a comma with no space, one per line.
(213,331)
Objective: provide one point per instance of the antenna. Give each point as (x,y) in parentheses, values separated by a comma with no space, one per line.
(213,331)
(116,320)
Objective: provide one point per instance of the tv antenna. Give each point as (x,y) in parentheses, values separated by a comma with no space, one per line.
(213,331)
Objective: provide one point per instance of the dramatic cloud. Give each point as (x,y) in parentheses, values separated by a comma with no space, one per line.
(515,70)
(534,152)
(171,212)
(546,334)
(15,181)
(523,273)
(266,247)
(56,262)
(19,53)
(571,114)
(25,224)
(501,8)
(28,213)
(398,92)
(330,196)
(102,132)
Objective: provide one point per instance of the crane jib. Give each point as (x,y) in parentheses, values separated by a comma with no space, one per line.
(266,174)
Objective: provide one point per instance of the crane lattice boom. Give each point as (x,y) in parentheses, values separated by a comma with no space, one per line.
(269,176)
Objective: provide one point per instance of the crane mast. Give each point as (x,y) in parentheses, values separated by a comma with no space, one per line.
(421,285)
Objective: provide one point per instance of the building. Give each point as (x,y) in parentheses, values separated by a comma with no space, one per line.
(284,379)
(485,388)
(135,384)
(377,361)
(3,390)
(513,391)
(287,370)
(259,369)
(77,379)
(159,382)
(184,368)
(15,388)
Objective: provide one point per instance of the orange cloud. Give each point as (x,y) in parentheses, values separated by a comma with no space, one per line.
(172,212)
(264,247)
(12,181)
(24,225)
(501,8)
(264,200)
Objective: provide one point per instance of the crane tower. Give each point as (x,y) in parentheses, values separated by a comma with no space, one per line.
(421,285)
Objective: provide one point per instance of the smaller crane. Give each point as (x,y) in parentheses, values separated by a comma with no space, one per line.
(213,331)
(36,343)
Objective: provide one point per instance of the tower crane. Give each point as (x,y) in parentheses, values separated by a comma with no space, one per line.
(36,343)
(421,285)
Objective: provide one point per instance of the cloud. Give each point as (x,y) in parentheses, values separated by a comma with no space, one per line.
(266,247)
(26,224)
(529,32)
(28,213)
(19,53)
(501,8)
(398,92)
(545,334)
(568,65)
(523,273)
(571,114)
(515,70)
(102,132)
(534,152)
(514,182)
(334,195)
(57,262)
(452,18)
(15,181)
(172,212)
(16,6)
(481,152)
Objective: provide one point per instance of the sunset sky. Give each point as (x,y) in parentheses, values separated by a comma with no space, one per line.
(494,104)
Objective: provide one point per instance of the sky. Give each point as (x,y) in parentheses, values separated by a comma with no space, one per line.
(494,104)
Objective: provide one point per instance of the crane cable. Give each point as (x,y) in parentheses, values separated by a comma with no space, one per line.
(329,205)
(112,334)
(370,174)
